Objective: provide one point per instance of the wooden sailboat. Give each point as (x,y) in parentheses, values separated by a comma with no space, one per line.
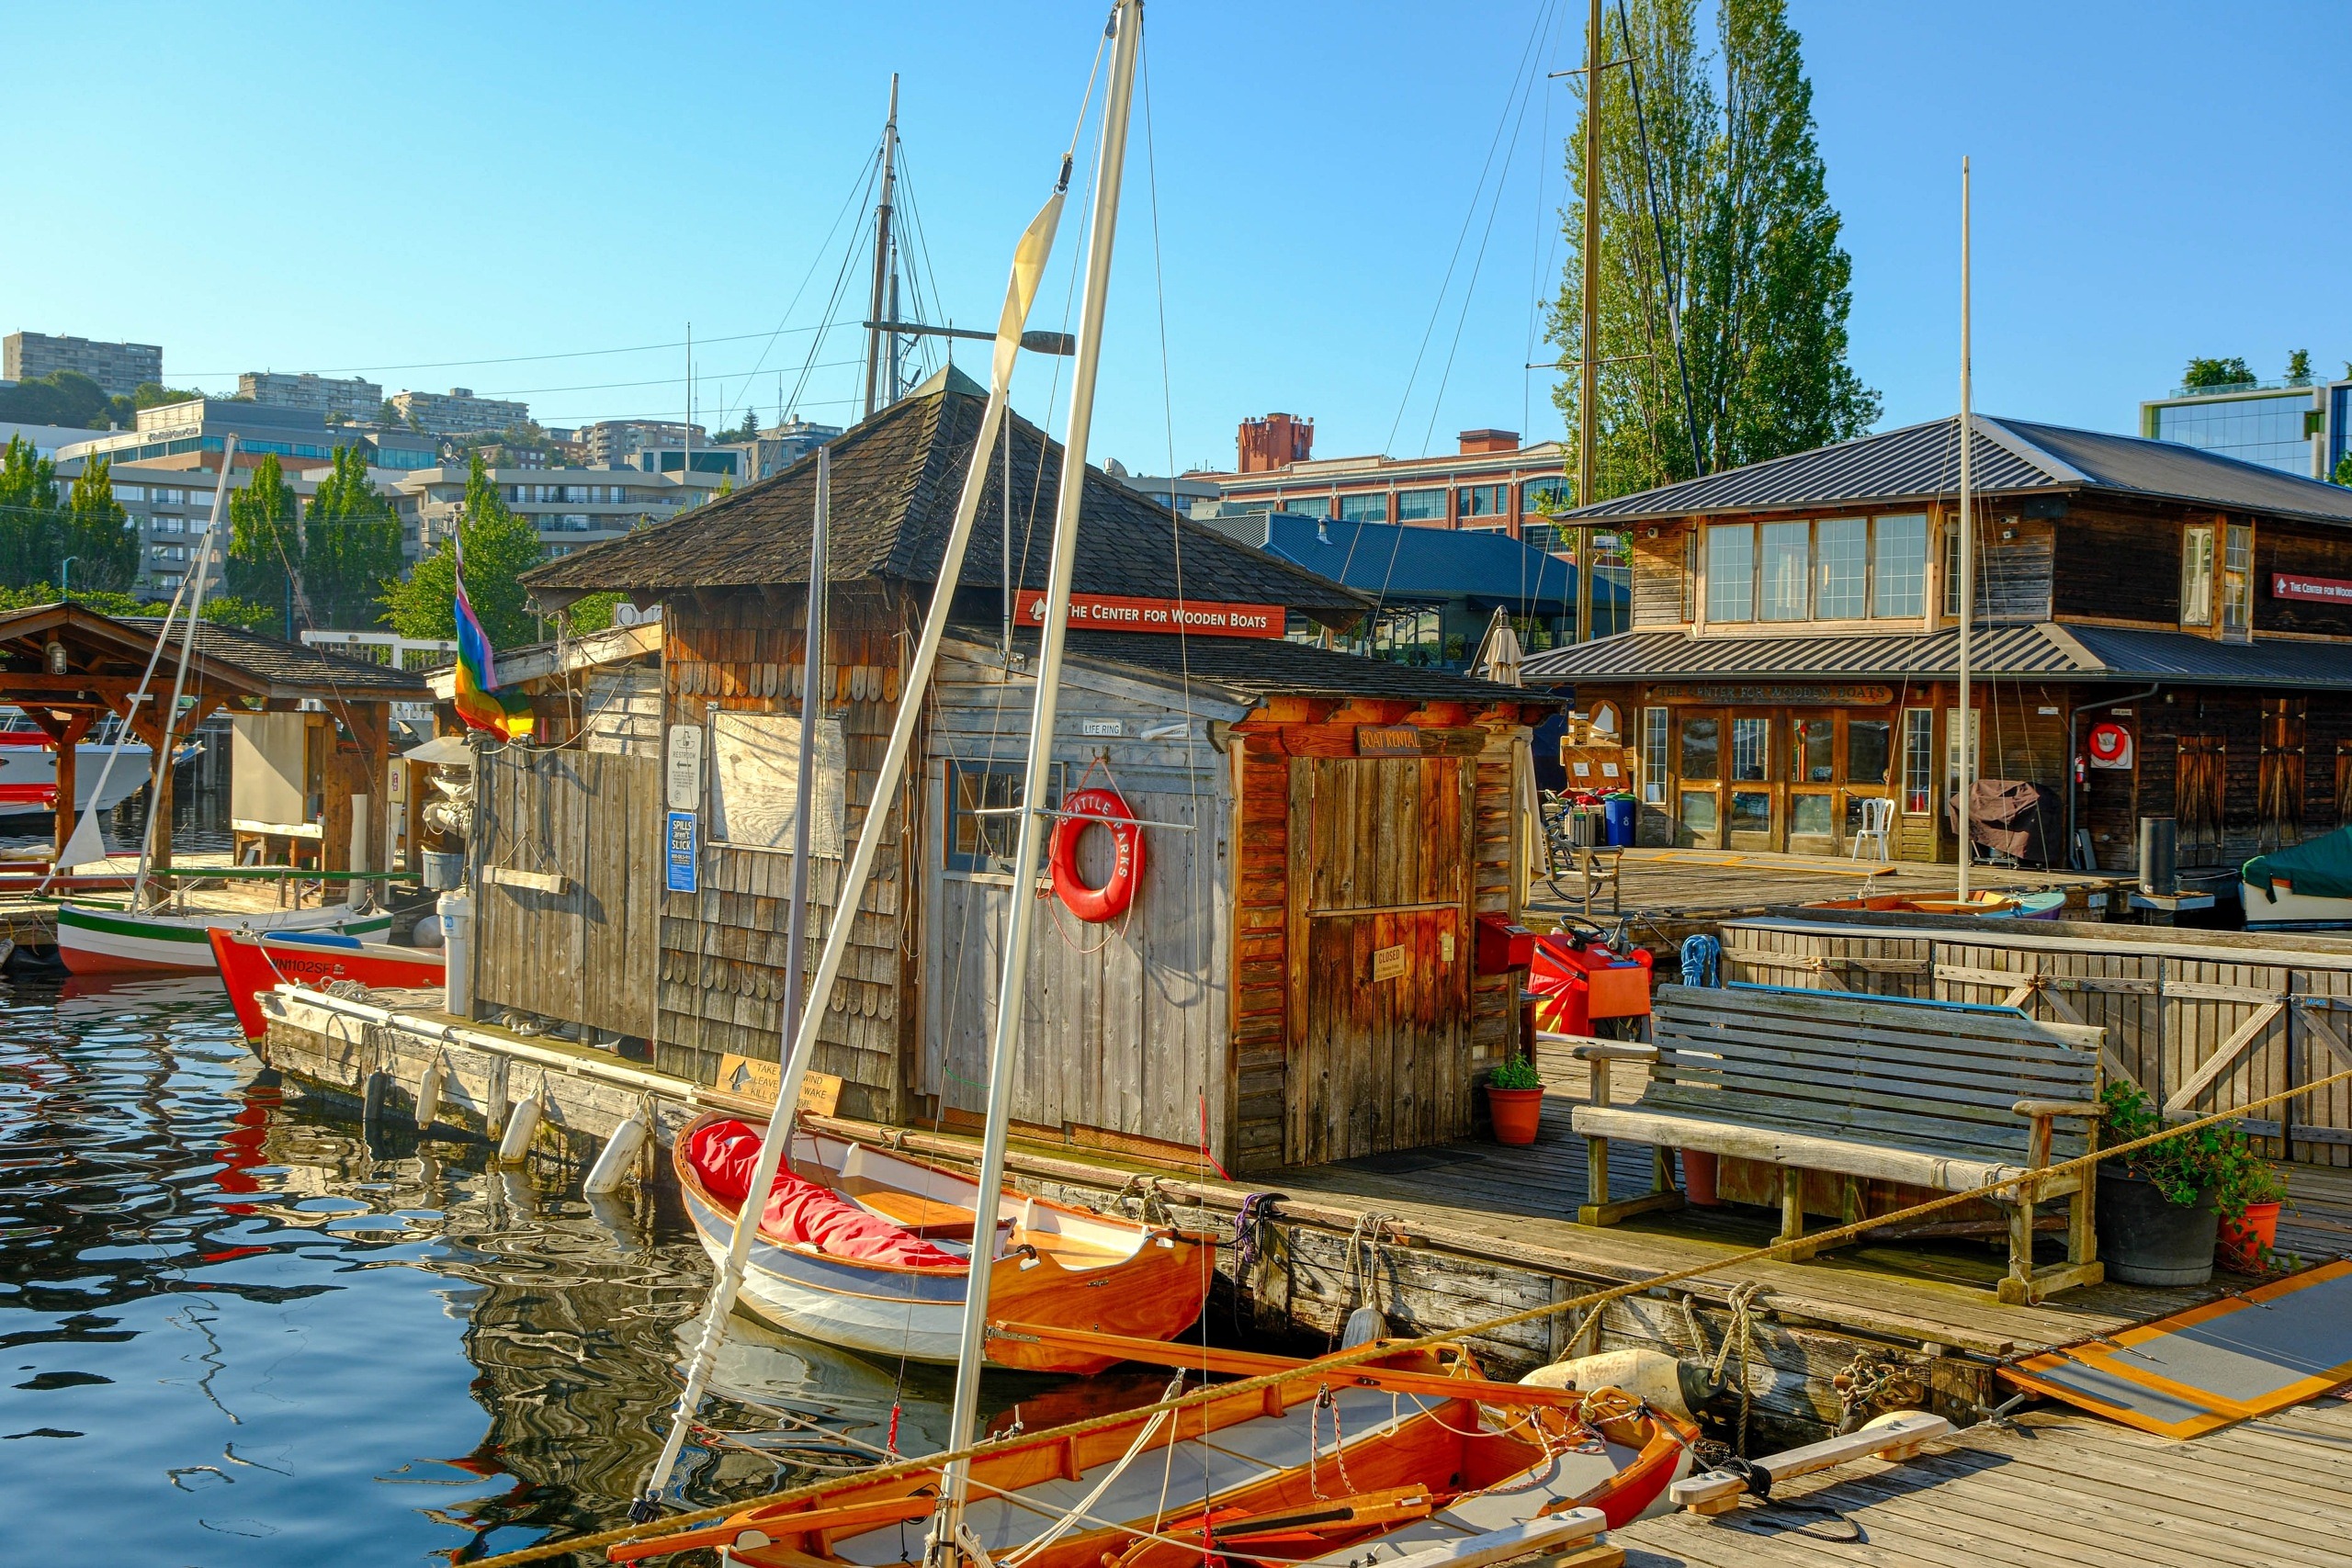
(2044,905)
(93,938)
(872,1251)
(254,962)
(1416,1450)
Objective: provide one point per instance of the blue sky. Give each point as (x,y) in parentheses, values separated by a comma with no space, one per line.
(388,190)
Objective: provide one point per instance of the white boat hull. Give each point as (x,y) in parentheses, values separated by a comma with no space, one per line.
(92,940)
(2282,906)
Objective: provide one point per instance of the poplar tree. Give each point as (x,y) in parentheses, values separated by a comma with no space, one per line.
(265,562)
(1744,247)
(351,546)
(500,547)
(96,531)
(28,514)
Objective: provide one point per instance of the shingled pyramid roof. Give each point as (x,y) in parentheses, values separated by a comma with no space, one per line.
(896,478)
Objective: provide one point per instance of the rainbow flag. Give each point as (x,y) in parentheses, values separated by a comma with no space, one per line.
(479,701)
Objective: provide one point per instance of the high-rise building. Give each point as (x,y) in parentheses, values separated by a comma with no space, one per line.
(615,443)
(2301,427)
(355,397)
(458,413)
(117,368)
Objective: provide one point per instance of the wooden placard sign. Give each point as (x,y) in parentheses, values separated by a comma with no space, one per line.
(554,884)
(1388,740)
(1388,963)
(756,1077)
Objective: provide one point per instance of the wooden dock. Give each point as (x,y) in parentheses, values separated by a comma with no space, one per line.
(2051,1490)
(1435,1238)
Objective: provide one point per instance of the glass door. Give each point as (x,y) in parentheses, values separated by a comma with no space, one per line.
(1867,770)
(1698,784)
(1813,784)
(1748,807)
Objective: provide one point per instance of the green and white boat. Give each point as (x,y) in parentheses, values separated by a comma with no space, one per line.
(93,940)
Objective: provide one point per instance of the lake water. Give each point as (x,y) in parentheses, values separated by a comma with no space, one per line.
(235,1334)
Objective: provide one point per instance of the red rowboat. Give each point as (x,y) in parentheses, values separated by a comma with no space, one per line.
(251,963)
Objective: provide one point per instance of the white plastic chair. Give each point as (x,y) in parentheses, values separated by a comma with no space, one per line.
(1878,816)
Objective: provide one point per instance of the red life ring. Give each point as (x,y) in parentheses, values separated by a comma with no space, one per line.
(1109,901)
(2110,744)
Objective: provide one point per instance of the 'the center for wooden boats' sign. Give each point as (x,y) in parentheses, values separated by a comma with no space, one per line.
(1122,612)
(1388,963)
(754,1078)
(2321,590)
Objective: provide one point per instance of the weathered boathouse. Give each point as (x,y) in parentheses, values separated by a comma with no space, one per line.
(1298,977)
(2160,631)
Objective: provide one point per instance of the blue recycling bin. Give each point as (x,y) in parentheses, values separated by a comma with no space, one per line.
(1619,813)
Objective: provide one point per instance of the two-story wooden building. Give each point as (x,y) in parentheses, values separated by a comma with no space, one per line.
(2159,631)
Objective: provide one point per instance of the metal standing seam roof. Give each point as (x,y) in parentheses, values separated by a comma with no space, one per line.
(2009,458)
(2045,650)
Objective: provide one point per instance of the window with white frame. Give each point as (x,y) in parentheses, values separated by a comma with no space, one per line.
(1731,571)
(1919,761)
(1781,594)
(1654,739)
(2237,578)
(2197,575)
(1841,552)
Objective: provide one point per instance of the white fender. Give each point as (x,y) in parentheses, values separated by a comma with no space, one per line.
(1650,1375)
(522,1123)
(614,1160)
(428,1097)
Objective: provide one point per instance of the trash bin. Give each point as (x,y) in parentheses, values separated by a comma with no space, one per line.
(1620,813)
(443,872)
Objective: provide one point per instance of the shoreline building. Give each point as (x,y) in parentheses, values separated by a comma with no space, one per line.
(119,369)
(2159,631)
(458,413)
(571,508)
(2301,427)
(355,398)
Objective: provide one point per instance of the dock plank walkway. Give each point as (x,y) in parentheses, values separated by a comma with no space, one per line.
(1528,1196)
(2053,1488)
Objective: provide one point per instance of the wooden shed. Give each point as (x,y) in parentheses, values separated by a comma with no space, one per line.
(1294,979)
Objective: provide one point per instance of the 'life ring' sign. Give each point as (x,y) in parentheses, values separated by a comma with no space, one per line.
(1109,901)
(2110,746)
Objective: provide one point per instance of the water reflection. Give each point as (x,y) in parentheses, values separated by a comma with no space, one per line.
(237,1332)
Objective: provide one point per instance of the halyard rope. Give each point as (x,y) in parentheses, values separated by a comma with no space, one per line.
(1324,1367)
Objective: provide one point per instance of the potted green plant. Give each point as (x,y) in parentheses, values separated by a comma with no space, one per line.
(2160,1208)
(2249,1208)
(1515,1099)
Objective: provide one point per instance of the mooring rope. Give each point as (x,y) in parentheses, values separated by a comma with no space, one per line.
(1322,1368)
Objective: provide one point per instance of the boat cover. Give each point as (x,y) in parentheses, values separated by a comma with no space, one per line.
(802,1213)
(2316,868)
(2014,816)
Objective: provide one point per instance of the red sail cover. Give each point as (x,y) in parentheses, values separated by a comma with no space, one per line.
(724,1153)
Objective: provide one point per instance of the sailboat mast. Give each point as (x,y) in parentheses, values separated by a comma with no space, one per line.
(779,1131)
(1967,719)
(882,254)
(1588,351)
(166,720)
(1020,908)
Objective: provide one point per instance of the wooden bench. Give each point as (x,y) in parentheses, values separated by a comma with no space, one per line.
(1938,1095)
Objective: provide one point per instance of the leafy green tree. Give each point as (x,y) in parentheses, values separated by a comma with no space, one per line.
(2299,365)
(61,397)
(94,529)
(351,546)
(266,540)
(219,607)
(28,514)
(2343,470)
(2216,373)
(1743,251)
(500,547)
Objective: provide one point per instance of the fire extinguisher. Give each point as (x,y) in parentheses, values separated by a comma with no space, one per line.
(2082,773)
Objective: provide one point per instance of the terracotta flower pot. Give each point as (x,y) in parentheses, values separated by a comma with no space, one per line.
(2243,1242)
(1518,1113)
(1698,1177)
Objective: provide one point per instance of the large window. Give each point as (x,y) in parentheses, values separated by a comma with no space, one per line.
(1900,562)
(1307,505)
(1813,750)
(1866,749)
(981,824)
(1701,750)
(1841,547)
(2237,578)
(1549,495)
(1839,569)
(1751,748)
(1421,505)
(1486,501)
(1919,761)
(1783,596)
(1731,571)
(2197,576)
(1654,758)
(1371,508)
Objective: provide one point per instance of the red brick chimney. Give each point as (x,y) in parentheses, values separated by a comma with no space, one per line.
(1475,441)
(1279,438)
